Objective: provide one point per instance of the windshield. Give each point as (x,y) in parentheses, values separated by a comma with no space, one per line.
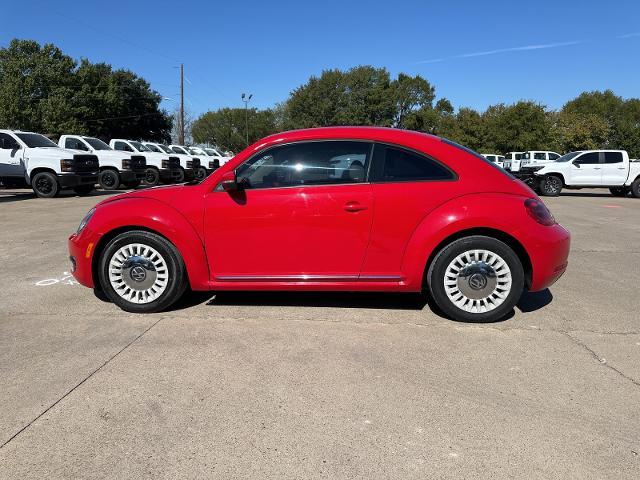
(35,140)
(153,148)
(568,157)
(165,148)
(96,143)
(140,147)
(212,152)
(181,150)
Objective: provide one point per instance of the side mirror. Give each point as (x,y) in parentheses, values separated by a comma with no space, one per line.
(229,182)
(577,163)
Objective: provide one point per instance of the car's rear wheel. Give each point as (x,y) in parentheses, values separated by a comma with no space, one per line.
(619,191)
(476,279)
(45,185)
(142,272)
(109,179)
(551,186)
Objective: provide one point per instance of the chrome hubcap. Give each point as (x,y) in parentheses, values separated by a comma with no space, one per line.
(477,281)
(138,273)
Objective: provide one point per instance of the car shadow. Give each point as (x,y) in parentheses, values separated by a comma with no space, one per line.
(6,197)
(588,195)
(532,301)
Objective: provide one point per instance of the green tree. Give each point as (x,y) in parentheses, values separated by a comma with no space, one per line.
(410,94)
(227,127)
(525,125)
(577,131)
(43,90)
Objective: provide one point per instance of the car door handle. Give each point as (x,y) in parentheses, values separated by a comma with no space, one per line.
(621,168)
(596,168)
(354,207)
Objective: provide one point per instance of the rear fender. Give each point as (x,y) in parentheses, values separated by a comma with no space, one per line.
(466,213)
(155,216)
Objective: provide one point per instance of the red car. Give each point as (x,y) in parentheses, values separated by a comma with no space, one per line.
(344,208)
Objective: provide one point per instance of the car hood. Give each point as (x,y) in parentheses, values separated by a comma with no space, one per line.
(163,193)
(51,152)
(113,154)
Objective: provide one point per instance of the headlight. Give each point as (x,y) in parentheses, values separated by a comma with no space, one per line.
(126,164)
(67,165)
(85,220)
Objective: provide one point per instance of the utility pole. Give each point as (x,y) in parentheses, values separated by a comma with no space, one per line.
(181,131)
(246,99)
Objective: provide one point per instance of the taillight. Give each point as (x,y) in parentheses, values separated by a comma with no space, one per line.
(67,165)
(539,212)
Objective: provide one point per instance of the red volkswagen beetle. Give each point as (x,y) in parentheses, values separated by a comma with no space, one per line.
(351,208)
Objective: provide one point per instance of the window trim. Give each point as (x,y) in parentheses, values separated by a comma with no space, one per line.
(378,163)
(300,142)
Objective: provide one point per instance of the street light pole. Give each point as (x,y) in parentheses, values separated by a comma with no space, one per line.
(246,99)
(181,131)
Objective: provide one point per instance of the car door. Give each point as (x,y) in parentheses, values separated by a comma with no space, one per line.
(407,185)
(614,169)
(586,169)
(302,213)
(11,164)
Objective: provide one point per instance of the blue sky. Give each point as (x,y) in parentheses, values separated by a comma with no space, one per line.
(476,53)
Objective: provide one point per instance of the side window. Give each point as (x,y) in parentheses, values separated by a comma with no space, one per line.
(553,156)
(122,146)
(402,165)
(307,163)
(588,158)
(613,157)
(75,144)
(539,156)
(176,150)
(7,142)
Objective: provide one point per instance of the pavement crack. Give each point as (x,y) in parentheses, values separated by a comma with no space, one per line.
(600,359)
(105,363)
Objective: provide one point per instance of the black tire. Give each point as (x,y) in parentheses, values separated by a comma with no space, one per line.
(151,177)
(619,191)
(109,180)
(83,190)
(134,184)
(635,188)
(201,173)
(551,186)
(438,272)
(45,185)
(177,278)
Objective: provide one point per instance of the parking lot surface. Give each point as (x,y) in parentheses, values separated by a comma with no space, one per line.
(275,385)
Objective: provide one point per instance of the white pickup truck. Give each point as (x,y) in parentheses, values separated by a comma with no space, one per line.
(223,157)
(186,161)
(116,168)
(198,163)
(160,166)
(610,169)
(31,158)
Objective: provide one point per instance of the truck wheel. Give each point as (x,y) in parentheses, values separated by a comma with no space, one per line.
(142,272)
(83,190)
(180,177)
(635,188)
(109,180)
(151,177)
(45,185)
(551,186)
(619,191)
(201,173)
(476,279)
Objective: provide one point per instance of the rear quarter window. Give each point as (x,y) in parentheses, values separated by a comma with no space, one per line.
(479,157)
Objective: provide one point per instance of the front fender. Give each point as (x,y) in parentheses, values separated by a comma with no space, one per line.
(159,217)
(466,213)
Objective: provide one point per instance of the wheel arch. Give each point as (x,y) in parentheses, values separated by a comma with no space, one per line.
(557,174)
(38,170)
(497,234)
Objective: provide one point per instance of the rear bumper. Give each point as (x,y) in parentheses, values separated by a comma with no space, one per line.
(75,179)
(549,254)
(81,248)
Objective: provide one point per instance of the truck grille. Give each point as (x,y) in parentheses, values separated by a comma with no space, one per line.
(174,162)
(138,163)
(196,162)
(85,163)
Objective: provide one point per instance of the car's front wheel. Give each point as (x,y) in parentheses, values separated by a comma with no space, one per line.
(201,173)
(476,279)
(551,186)
(142,272)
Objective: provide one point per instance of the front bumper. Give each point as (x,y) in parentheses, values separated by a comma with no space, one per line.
(81,248)
(169,174)
(528,176)
(131,175)
(76,179)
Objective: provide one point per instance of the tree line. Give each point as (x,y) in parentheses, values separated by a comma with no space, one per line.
(44,90)
(366,95)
